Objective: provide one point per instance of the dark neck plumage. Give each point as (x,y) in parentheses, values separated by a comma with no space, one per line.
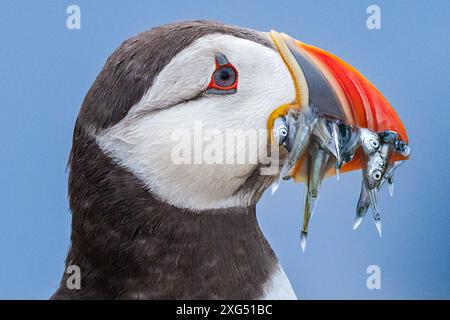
(130,245)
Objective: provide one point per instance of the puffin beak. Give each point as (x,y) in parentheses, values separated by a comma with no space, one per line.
(338,122)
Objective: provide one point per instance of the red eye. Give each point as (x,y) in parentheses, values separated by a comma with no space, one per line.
(224,79)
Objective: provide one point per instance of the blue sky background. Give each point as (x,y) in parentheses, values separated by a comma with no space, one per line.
(46,69)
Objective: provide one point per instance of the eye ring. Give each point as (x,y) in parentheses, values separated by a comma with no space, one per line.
(224,79)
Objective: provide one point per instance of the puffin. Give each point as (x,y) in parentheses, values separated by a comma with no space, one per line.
(147,225)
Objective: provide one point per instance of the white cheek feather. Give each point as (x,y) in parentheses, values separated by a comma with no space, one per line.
(278,287)
(142,142)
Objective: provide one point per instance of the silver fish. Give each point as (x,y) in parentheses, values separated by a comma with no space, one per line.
(339,139)
(362,206)
(376,213)
(336,140)
(364,199)
(369,141)
(402,148)
(349,141)
(374,171)
(388,136)
(324,135)
(284,132)
(280,130)
(327,140)
(307,118)
(376,158)
(317,163)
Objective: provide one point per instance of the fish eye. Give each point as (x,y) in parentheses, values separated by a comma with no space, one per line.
(283,131)
(376,175)
(374,143)
(280,130)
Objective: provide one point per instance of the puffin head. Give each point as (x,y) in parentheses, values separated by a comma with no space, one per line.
(181,122)
(200,83)
(188,108)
